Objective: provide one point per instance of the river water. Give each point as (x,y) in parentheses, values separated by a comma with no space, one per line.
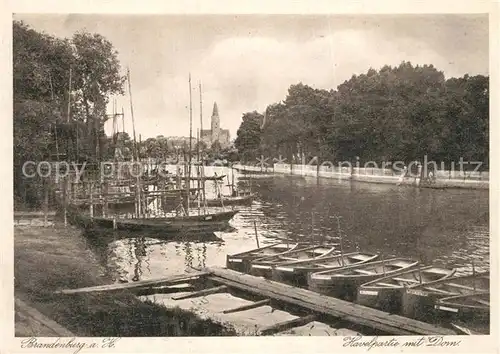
(442,227)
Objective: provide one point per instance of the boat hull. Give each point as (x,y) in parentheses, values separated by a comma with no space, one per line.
(242,265)
(344,282)
(342,288)
(264,266)
(296,273)
(472,316)
(182,225)
(247,200)
(458,308)
(261,270)
(419,302)
(385,299)
(242,262)
(386,293)
(295,277)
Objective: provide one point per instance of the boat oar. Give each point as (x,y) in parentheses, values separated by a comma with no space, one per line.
(256,236)
(419,270)
(474,275)
(341,243)
(383,264)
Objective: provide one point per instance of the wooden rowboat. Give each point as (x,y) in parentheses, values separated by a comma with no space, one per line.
(241,261)
(465,330)
(386,293)
(264,266)
(179,225)
(418,301)
(295,273)
(343,282)
(229,200)
(257,176)
(471,307)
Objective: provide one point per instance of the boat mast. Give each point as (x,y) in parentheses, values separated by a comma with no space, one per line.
(188,177)
(135,155)
(69,95)
(202,162)
(198,169)
(132,115)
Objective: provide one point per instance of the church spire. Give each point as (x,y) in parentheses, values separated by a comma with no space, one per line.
(215,124)
(215,112)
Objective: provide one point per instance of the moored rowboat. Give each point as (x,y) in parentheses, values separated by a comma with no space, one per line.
(179,225)
(470,307)
(295,273)
(386,293)
(418,302)
(228,200)
(241,261)
(343,282)
(263,266)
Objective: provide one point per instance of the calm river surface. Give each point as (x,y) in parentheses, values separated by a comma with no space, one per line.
(443,227)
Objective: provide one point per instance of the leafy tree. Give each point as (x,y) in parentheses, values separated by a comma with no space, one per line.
(46,119)
(395,113)
(248,136)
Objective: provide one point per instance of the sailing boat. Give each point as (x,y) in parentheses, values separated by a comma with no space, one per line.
(237,197)
(206,223)
(418,301)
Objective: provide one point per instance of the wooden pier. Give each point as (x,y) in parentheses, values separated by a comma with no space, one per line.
(271,293)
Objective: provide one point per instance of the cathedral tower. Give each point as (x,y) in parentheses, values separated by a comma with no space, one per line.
(215,124)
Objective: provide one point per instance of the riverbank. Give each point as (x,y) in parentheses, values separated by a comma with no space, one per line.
(373,175)
(47,259)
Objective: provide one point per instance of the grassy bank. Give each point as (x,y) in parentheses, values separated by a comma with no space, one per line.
(49,259)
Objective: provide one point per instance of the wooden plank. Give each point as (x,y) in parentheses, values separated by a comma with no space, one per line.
(42,319)
(249,306)
(203,292)
(150,290)
(283,326)
(138,284)
(388,323)
(305,304)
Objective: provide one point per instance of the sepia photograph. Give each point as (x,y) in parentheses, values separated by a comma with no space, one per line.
(201,175)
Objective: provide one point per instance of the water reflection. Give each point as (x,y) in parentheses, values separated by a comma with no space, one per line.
(447,227)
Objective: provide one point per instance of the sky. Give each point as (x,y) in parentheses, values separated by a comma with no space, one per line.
(247,62)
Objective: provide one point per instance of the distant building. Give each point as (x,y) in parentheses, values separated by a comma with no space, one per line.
(180,142)
(215,133)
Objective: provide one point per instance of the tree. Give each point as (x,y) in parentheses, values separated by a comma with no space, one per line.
(96,76)
(394,114)
(248,135)
(43,124)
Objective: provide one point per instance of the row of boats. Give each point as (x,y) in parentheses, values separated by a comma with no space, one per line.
(397,285)
(169,207)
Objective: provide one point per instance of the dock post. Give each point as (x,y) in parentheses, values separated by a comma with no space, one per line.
(46,205)
(91,201)
(65,201)
(104,194)
(256,235)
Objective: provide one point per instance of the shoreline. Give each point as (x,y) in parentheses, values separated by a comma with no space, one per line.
(54,258)
(298,170)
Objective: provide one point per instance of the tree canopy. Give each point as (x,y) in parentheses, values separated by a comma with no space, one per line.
(394,114)
(61,90)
